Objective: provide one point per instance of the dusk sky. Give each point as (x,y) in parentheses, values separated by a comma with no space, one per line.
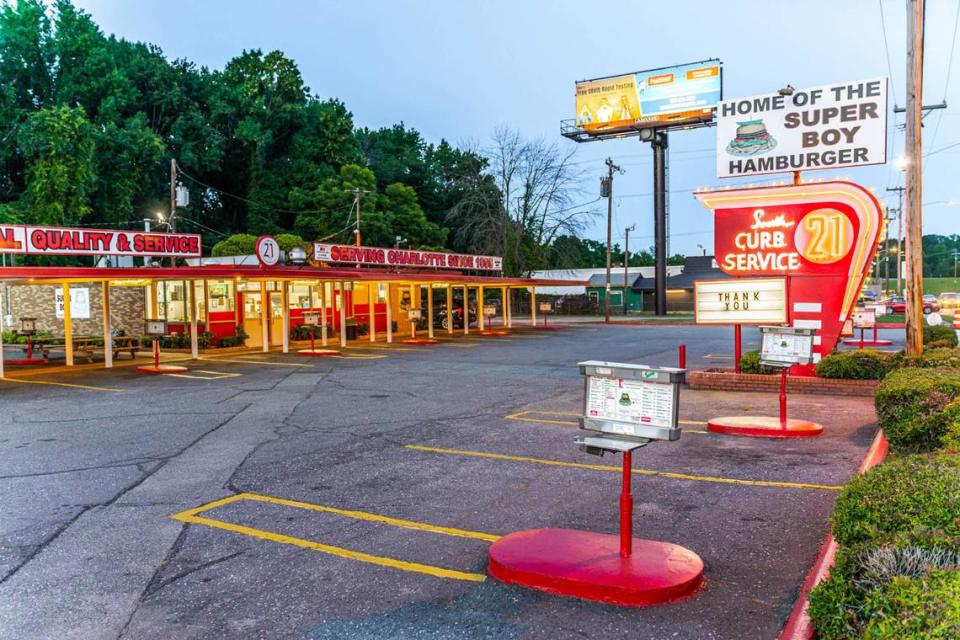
(456,70)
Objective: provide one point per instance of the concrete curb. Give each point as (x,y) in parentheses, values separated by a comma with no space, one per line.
(799,626)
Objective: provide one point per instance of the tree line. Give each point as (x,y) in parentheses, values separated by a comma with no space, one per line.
(89,123)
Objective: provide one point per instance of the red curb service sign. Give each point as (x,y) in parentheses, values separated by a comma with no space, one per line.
(96,242)
(821,237)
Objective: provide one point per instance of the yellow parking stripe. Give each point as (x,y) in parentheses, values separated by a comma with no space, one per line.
(266,362)
(192,516)
(62,384)
(608,468)
(340,552)
(372,517)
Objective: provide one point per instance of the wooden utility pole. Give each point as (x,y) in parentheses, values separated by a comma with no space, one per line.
(606,189)
(626,265)
(912,205)
(172,218)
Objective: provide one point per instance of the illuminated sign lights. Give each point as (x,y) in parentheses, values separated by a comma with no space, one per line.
(32,240)
(820,237)
(378,256)
(740,301)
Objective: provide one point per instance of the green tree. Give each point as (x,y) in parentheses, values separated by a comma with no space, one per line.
(239,244)
(57,146)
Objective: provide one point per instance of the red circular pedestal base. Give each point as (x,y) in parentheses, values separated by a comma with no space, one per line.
(854,342)
(320,353)
(764,427)
(587,565)
(420,341)
(27,361)
(161,369)
(494,333)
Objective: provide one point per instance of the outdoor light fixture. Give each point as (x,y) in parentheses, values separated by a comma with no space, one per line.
(786,91)
(297,256)
(647,135)
(901,163)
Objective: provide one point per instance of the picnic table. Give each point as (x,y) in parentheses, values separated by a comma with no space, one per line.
(84,345)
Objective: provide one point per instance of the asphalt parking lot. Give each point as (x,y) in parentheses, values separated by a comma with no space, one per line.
(272,496)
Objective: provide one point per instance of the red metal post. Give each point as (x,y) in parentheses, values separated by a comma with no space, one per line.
(626,508)
(861,337)
(783,398)
(29,347)
(736,347)
(874,332)
(682,356)
(311,337)
(156,352)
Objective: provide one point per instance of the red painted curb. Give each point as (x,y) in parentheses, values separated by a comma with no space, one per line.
(161,369)
(420,341)
(26,361)
(493,334)
(587,565)
(798,625)
(890,325)
(764,427)
(319,353)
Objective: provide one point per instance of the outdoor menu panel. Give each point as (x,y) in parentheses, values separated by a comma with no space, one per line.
(785,348)
(630,401)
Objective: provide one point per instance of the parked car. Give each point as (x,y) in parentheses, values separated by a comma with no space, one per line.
(899,305)
(929,297)
(868,296)
(949,300)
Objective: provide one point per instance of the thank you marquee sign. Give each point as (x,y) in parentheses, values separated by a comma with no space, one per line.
(740,301)
(96,242)
(820,237)
(378,256)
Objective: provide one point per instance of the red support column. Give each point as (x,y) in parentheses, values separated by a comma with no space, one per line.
(783,398)
(682,356)
(737,337)
(156,353)
(626,508)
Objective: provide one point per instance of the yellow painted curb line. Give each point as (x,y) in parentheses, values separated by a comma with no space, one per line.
(642,472)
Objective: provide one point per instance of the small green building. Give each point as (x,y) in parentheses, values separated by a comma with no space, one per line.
(597,287)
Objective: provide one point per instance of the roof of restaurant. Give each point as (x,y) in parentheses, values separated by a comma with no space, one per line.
(41,275)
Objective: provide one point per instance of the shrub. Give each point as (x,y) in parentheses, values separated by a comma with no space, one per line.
(924,607)
(854,365)
(940,334)
(750,363)
(910,402)
(918,495)
(936,357)
(858,589)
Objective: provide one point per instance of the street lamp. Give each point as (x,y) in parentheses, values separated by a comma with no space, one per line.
(901,163)
(626,264)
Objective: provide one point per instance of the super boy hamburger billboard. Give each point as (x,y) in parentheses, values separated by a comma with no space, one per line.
(826,127)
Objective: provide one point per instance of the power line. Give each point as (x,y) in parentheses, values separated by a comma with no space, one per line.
(946,85)
(886,48)
(247,200)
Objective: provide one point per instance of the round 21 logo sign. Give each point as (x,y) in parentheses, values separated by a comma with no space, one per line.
(820,236)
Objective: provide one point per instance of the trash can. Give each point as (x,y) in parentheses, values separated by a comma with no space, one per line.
(351,328)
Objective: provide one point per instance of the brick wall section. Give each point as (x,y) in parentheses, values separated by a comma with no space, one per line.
(39,301)
(730,381)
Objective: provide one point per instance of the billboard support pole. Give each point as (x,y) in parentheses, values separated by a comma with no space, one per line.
(659,145)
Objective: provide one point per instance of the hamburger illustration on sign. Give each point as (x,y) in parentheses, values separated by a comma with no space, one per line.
(752,139)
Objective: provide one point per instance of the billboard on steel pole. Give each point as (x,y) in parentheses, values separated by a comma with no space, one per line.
(669,96)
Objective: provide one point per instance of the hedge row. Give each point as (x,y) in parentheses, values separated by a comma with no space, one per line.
(896,574)
(917,408)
